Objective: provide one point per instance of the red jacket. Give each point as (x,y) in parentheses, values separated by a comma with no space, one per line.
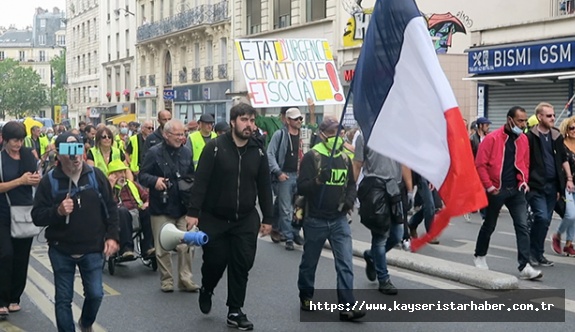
(489,160)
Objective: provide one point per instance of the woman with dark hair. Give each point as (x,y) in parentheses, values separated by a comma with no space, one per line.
(105,152)
(19,174)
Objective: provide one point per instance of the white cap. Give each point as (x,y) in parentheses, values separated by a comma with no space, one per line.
(293,113)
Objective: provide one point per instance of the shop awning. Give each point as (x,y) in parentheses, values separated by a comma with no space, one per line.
(123,117)
(539,77)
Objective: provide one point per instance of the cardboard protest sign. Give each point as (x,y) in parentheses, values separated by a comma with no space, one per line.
(286,72)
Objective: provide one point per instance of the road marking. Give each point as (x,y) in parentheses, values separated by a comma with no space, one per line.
(42,293)
(40,253)
(467,247)
(5,326)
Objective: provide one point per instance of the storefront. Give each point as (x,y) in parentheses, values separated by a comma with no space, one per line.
(191,101)
(523,74)
(111,114)
(147,103)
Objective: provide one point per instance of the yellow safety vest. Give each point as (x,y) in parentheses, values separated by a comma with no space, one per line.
(134,156)
(120,143)
(99,158)
(42,140)
(198,145)
(134,191)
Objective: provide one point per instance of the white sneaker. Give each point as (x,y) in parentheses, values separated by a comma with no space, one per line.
(480,262)
(530,273)
(406,245)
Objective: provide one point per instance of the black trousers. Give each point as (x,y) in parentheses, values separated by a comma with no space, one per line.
(14,259)
(231,244)
(126,230)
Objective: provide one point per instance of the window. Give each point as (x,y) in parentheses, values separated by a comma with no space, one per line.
(61,40)
(254,16)
(21,56)
(315,10)
(43,23)
(151,11)
(42,39)
(209,53)
(127,42)
(171,8)
(197,55)
(88,29)
(83,30)
(1,55)
(89,63)
(42,56)
(161,9)
(223,51)
(117,45)
(282,13)
(127,77)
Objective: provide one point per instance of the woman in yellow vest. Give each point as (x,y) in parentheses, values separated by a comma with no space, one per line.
(104,152)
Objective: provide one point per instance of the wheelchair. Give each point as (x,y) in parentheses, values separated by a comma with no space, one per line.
(148,261)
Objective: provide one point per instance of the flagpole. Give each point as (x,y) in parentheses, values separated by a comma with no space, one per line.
(332,153)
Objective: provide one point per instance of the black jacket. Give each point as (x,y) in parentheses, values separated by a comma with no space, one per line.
(153,139)
(537,165)
(475,140)
(88,226)
(229,179)
(155,166)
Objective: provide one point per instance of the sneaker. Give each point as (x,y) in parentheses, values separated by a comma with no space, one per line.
(569,251)
(129,255)
(240,321)
(205,300)
(406,245)
(188,285)
(533,261)
(276,236)
(305,304)
(150,252)
(556,244)
(434,241)
(545,262)
(4,313)
(289,246)
(348,316)
(387,288)
(369,267)
(529,273)
(298,239)
(480,262)
(167,288)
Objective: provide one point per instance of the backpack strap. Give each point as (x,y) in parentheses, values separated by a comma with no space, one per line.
(93,183)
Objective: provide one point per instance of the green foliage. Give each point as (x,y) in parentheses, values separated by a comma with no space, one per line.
(21,92)
(59,92)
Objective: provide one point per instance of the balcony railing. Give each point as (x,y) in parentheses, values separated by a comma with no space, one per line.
(209,72)
(152,80)
(183,76)
(223,71)
(168,78)
(143,80)
(204,14)
(195,74)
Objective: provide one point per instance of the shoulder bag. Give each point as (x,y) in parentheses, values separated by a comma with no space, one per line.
(21,225)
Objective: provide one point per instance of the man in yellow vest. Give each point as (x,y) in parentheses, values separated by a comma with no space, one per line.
(35,142)
(121,139)
(133,211)
(135,147)
(197,140)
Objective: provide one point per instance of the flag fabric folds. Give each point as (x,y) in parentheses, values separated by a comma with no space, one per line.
(407,111)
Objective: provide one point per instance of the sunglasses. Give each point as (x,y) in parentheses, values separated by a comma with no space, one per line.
(297,119)
(105,137)
(549,115)
(572,128)
(151,128)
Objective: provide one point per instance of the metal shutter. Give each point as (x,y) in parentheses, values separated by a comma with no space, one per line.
(501,98)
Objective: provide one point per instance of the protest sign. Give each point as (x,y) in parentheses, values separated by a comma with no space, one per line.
(286,72)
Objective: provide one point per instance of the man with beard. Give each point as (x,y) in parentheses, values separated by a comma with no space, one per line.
(231,173)
(157,136)
(549,175)
(480,133)
(82,220)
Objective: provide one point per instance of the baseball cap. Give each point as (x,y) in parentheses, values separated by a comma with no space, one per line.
(221,126)
(63,138)
(328,124)
(207,118)
(293,113)
(116,166)
(483,120)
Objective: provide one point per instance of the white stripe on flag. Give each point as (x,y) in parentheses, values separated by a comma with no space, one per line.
(411,126)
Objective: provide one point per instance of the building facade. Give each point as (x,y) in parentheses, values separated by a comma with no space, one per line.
(183,58)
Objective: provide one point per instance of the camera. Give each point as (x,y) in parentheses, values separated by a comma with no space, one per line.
(164,194)
(71,149)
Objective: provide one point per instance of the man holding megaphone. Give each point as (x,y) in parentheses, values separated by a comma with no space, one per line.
(232,172)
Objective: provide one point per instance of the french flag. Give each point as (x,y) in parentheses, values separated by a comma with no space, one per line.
(407,110)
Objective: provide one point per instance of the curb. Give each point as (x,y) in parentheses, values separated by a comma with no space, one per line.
(466,274)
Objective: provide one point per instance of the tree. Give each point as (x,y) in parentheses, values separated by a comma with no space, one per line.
(21,92)
(59,92)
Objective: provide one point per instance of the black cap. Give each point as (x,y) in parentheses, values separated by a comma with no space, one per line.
(63,138)
(221,126)
(207,118)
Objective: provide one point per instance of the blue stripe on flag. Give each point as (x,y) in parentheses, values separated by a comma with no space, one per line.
(375,67)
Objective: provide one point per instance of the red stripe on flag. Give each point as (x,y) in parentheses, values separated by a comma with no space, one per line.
(462,191)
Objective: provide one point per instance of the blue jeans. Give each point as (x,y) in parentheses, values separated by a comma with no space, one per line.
(542,203)
(64,266)
(517,206)
(427,211)
(568,223)
(338,232)
(380,244)
(285,193)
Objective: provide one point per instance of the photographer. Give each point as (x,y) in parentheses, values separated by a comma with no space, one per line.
(163,164)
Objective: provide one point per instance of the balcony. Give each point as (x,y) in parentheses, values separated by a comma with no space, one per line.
(223,71)
(204,14)
(195,74)
(183,75)
(209,73)
(143,80)
(151,80)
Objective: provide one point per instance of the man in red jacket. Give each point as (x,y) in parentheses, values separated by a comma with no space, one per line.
(503,165)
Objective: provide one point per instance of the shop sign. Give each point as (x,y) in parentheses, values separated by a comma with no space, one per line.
(521,58)
(282,72)
(151,92)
